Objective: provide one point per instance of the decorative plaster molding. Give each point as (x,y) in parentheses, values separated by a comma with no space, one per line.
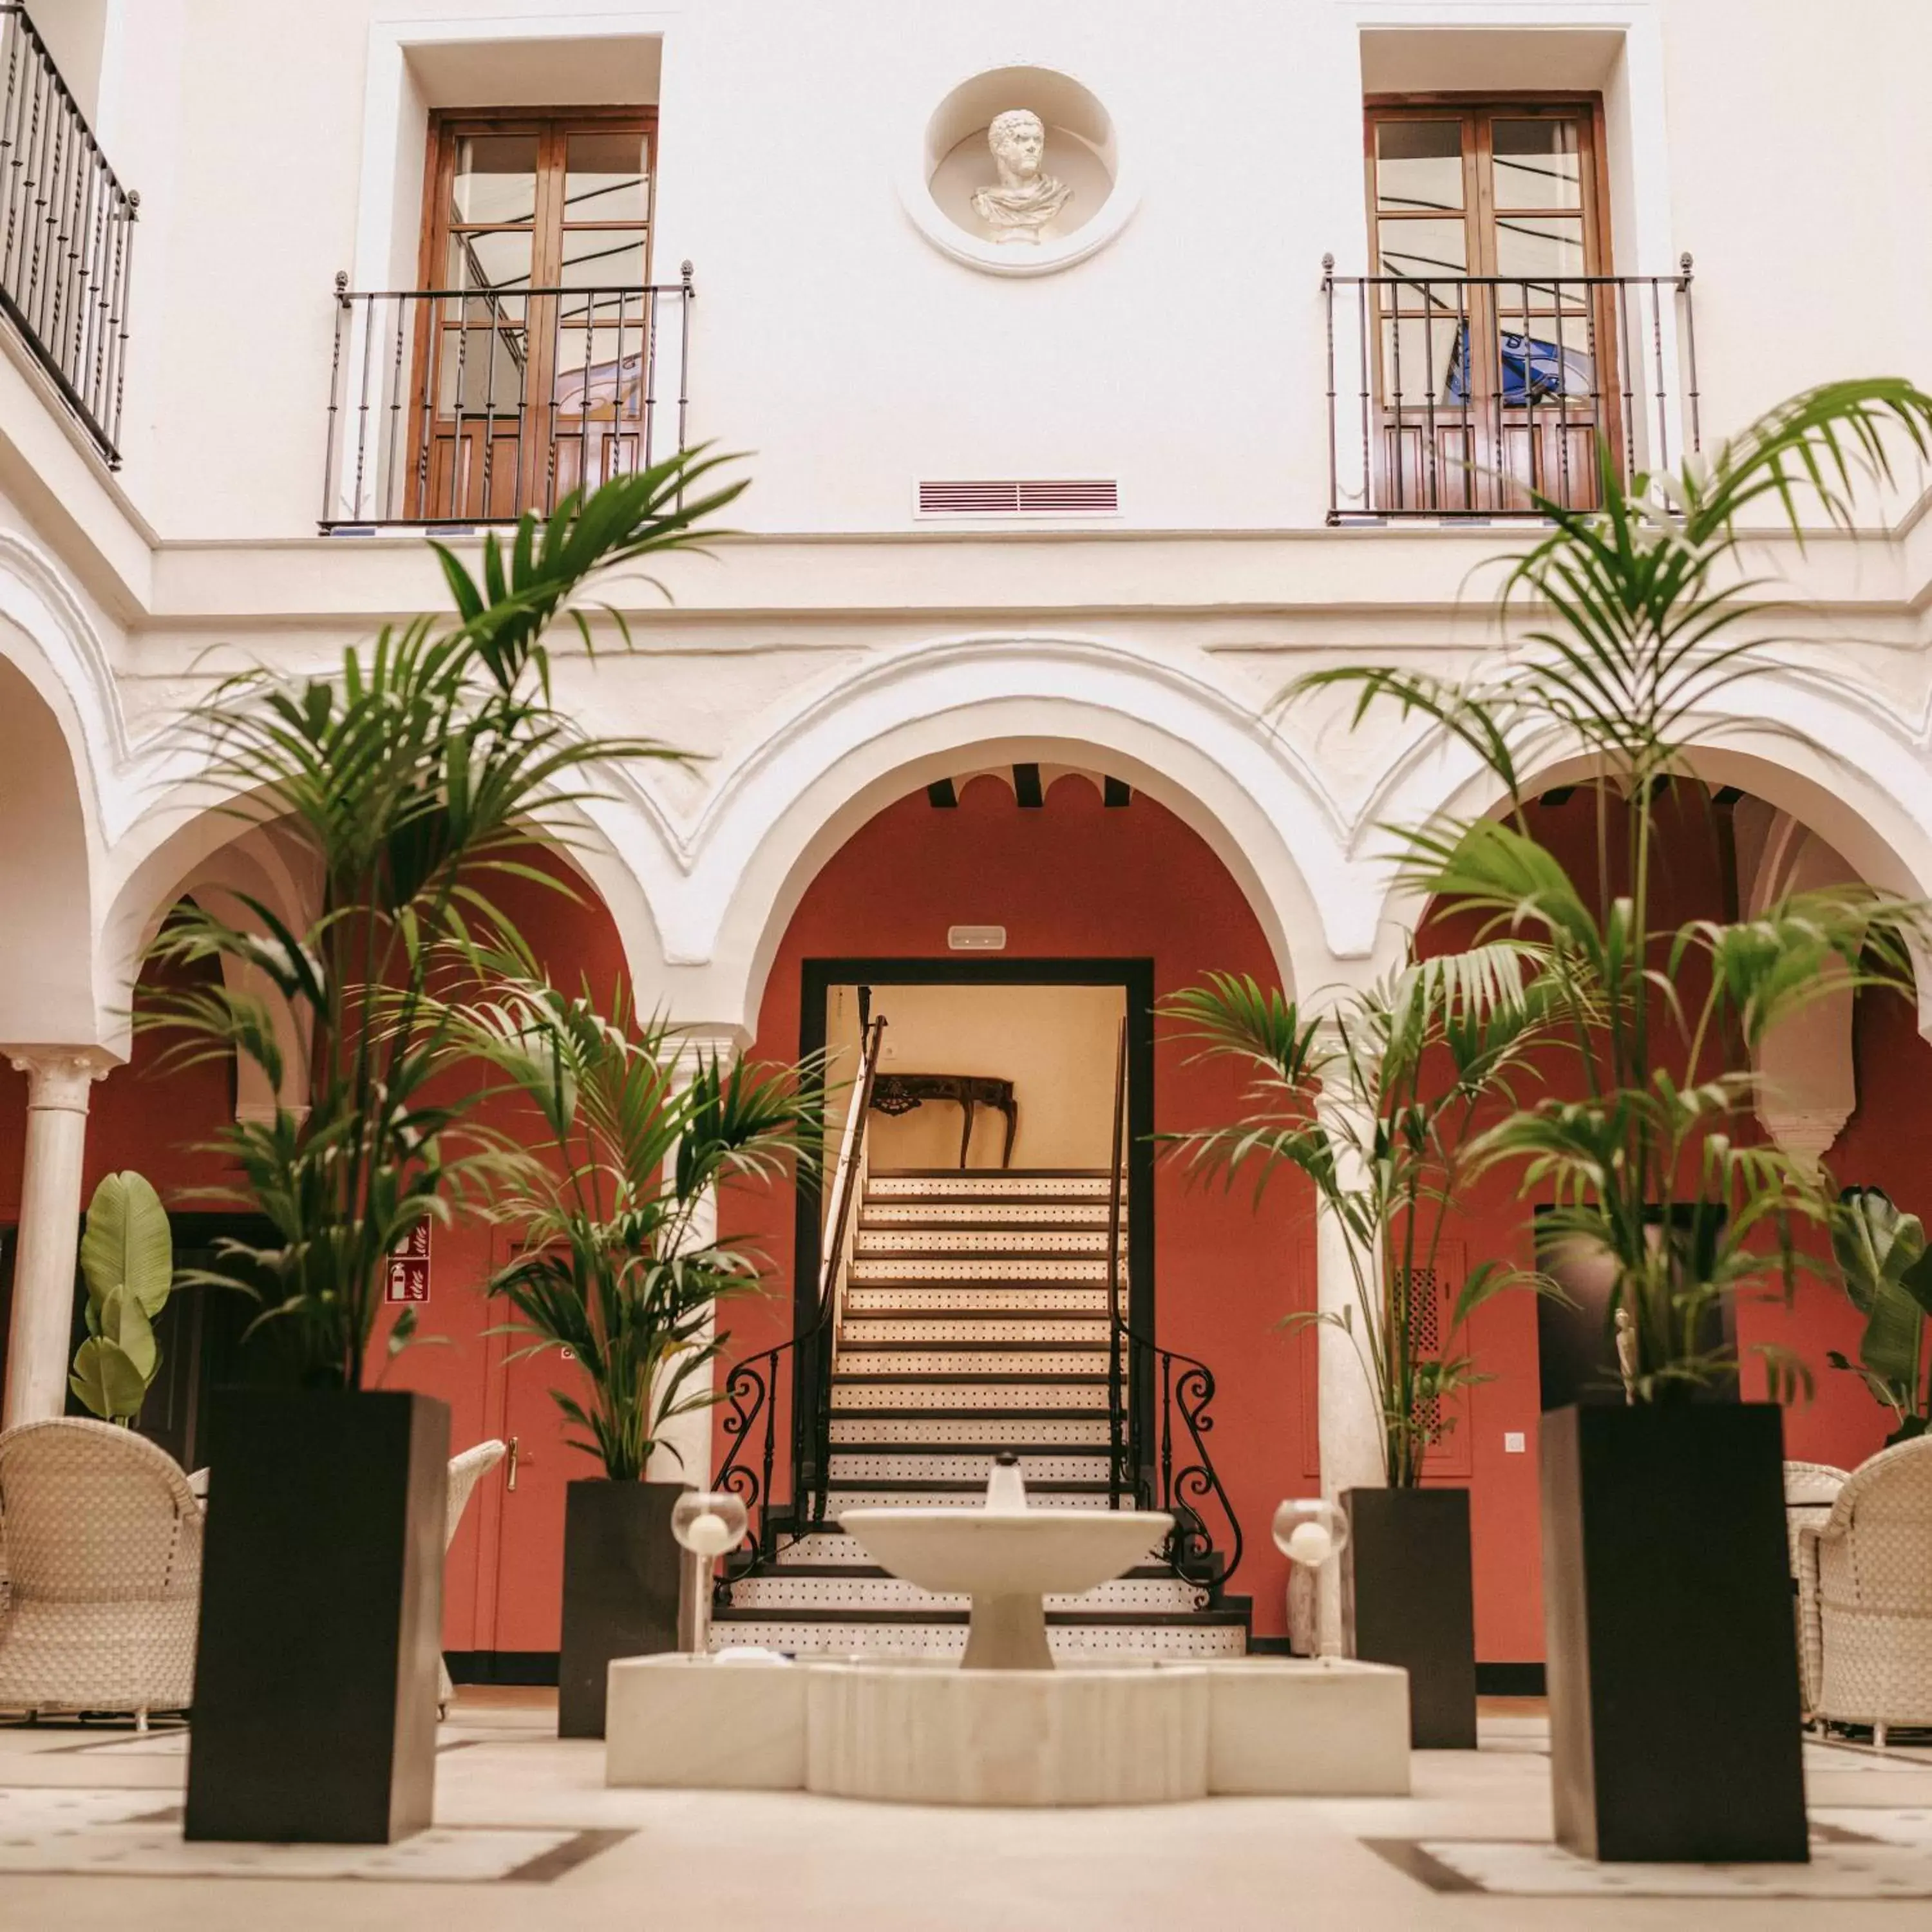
(60,1078)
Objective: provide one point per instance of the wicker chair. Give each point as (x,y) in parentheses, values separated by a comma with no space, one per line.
(1870,1567)
(104,1563)
(1809,1490)
(464,1471)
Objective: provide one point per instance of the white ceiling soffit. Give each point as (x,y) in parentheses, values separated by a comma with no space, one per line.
(1450,59)
(582,71)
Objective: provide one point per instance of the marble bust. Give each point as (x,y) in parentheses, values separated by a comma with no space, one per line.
(1025,198)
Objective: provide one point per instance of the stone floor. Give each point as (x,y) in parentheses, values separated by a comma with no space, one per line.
(527,1836)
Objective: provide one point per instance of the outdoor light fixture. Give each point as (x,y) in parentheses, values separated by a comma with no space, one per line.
(707,1523)
(1310,1531)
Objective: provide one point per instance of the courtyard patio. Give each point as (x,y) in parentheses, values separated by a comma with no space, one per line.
(526,1835)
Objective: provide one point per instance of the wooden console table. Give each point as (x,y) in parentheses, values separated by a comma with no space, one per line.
(896,1094)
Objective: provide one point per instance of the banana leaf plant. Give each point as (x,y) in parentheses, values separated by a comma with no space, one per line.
(637,1131)
(127,1262)
(1886,1273)
(415,773)
(1628,627)
(1372,1097)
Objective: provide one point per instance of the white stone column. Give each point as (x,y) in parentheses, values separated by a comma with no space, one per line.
(1351,1430)
(684,1451)
(59,1079)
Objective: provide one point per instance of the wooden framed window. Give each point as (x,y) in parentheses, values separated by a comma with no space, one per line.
(1495,329)
(533,338)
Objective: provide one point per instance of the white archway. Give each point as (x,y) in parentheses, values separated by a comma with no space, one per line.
(723,897)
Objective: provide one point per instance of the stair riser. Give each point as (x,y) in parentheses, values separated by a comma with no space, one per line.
(858,1332)
(939,1398)
(831,1638)
(940,1301)
(875,1213)
(854,1468)
(1167,1596)
(850,1431)
(972,1362)
(1032,1268)
(882,1185)
(857,1496)
(871,1241)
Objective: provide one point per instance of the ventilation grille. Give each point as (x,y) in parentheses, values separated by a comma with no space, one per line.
(1022,496)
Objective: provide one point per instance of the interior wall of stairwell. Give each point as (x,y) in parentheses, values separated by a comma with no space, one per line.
(1073,879)
(1057,1045)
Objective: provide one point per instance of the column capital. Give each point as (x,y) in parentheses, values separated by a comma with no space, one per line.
(58,1078)
(704,1039)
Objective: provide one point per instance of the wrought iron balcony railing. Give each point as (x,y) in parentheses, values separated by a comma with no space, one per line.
(67,239)
(1470,396)
(460,407)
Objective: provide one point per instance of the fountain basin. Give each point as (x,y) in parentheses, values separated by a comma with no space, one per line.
(1007,1561)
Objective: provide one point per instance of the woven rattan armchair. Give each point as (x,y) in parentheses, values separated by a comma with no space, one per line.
(1870,1568)
(102,1545)
(1811,1489)
(465,1470)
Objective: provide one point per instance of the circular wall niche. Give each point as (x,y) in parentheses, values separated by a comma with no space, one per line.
(1083,150)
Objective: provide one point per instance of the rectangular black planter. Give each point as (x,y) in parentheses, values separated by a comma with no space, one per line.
(1408,1598)
(315,1678)
(1673,1659)
(620,1590)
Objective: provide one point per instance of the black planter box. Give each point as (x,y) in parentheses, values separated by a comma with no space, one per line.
(1408,1598)
(315,1678)
(621,1565)
(1672,1655)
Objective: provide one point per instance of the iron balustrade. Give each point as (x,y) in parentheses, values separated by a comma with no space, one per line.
(460,407)
(1474,395)
(69,237)
(751,1388)
(1148,1389)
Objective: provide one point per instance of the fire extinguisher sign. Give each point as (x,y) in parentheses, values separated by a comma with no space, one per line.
(408,1267)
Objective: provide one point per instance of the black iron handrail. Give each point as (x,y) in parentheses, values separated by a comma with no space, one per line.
(1142,1454)
(750,1387)
(69,237)
(1474,393)
(462,407)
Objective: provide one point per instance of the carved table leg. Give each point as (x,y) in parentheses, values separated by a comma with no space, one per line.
(1012,1110)
(966,1105)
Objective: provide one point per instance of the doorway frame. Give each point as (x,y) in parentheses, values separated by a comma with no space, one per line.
(1135,977)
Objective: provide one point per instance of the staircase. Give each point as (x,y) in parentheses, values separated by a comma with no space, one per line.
(973,1320)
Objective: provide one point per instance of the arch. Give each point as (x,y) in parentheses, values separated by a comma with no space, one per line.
(783,809)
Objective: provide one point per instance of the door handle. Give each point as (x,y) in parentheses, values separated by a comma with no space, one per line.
(515,1456)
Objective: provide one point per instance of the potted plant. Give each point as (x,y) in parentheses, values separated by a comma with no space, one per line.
(612,1204)
(1371,1097)
(1886,1274)
(413,773)
(1672,1671)
(127,1262)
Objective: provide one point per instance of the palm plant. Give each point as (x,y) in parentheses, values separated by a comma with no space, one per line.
(1372,1099)
(1640,628)
(1887,1276)
(612,1265)
(415,773)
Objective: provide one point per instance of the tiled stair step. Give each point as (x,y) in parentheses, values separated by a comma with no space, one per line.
(915,1268)
(1204,1633)
(829,1547)
(944,1428)
(914,1358)
(998,1296)
(1010,1184)
(1053,1329)
(872,1241)
(965,1496)
(986,1211)
(941,1463)
(837,1589)
(940,1394)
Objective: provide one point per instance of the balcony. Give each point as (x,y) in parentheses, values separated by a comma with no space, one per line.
(452,407)
(1471,397)
(66,229)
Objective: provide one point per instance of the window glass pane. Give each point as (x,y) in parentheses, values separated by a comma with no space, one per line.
(603,258)
(1538,163)
(494,259)
(1418,164)
(1422,361)
(600,371)
(1422,248)
(481,371)
(605,178)
(1539,246)
(495,179)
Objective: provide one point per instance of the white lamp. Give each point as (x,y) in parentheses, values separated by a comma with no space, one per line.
(709,1523)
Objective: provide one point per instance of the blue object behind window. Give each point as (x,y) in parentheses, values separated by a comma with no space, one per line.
(1532,371)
